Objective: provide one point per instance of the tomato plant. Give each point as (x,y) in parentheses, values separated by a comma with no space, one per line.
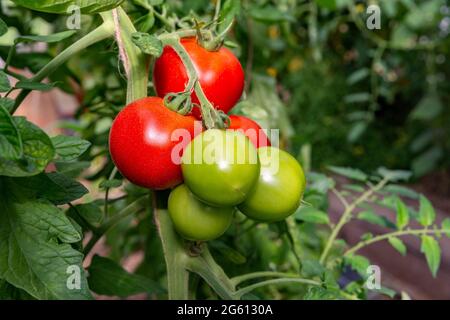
(69,221)
(142,146)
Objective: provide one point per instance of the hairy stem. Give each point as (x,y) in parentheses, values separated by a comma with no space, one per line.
(386,236)
(252,287)
(347,215)
(261,274)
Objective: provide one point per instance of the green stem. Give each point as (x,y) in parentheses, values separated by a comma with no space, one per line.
(261,274)
(347,215)
(111,176)
(252,287)
(102,32)
(393,234)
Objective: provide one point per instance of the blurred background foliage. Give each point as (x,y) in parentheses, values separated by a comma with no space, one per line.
(340,94)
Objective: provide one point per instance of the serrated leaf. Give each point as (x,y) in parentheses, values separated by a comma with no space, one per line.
(35,250)
(3,27)
(427,215)
(10,140)
(402,214)
(430,247)
(51,38)
(69,148)
(62,6)
(148,43)
(398,245)
(446,226)
(39,86)
(372,217)
(106,277)
(4,82)
(112,183)
(312,215)
(350,173)
(37,151)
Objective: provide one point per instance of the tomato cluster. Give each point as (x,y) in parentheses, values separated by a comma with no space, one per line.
(212,173)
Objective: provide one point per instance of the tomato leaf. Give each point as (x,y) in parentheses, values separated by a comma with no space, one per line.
(113,183)
(354,174)
(37,151)
(398,245)
(148,43)
(63,6)
(394,175)
(51,38)
(91,212)
(427,215)
(35,250)
(402,214)
(3,27)
(358,263)
(229,11)
(446,226)
(7,103)
(4,82)
(372,217)
(10,140)
(39,86)
(125,284)
(69,148)
(312,215)
(430,247)
(401,191)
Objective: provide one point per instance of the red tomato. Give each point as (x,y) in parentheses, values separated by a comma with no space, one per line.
(251,129)
(140,143)
(220,74)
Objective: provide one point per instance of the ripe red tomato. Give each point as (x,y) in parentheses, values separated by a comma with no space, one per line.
(140,143)
(251,129)
(220,74)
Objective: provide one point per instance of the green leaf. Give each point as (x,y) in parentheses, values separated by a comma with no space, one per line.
(37,151)
(35,250)
(402,37)
(9,292)
(446,226)
(372,217)
(312,215)
(430,247)
(39,86)
(229,253)
(4,82)
(358,263)
(148,43)
(402,214)
(69,148)
(113,183)
(62,6)
(401,191)
(312,268)
(428,108)
(366,236)
(354,174)
(394,175)
(51,38)
(55,187)
(229,11)
(91,212)
(427,161)
(356,131)
(427,215)
(3,27)
(7,103)
(72,169)
(386,291)
(398,245)
(10,141)
(106,277)
(319,293)
(358,97)
(358,75)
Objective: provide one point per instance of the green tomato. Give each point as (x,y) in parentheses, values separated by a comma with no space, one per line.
(220,167)
(280,187)
(195,220)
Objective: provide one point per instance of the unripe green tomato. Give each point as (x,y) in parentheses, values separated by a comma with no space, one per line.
(280,187)
(220,167)
(195,220)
